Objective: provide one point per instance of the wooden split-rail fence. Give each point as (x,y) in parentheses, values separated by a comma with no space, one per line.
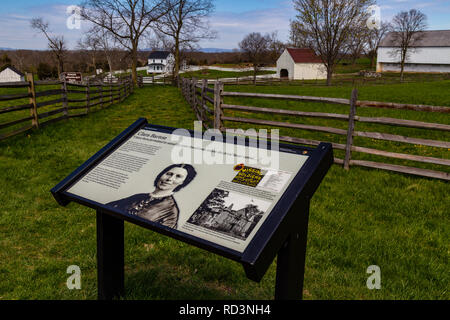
(151,80)
(209,107)
(51,101)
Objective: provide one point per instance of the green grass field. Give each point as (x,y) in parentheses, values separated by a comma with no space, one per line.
(358,218)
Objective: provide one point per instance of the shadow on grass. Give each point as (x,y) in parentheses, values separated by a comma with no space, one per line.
(162,283)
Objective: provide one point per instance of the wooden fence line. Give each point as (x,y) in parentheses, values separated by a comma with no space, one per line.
(150,80)
(94,94)
(248,80)
(210,110)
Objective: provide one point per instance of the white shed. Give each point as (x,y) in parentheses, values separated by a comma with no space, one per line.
(431,53)
(11,74)
(300,64)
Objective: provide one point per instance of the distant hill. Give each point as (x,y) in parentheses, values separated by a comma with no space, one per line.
(6,49)
(206,50)
(214,50)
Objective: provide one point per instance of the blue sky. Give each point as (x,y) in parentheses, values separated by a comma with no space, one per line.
(233,19)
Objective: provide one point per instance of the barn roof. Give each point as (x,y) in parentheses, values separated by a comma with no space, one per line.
(159,55)
(432,38)
(303,55)
(13,69)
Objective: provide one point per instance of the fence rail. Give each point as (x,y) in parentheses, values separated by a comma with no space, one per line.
(268,80)
(48,102)
(209,107)
(154,80)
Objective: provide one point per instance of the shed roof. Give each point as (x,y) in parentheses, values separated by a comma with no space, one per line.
(159,55)
(304,55)
(432,38)
(13,69)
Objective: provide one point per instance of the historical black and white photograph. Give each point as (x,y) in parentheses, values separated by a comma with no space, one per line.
(160,205)
(230,213)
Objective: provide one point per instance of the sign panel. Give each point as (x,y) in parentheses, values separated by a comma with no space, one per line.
(216,191)
(72,76)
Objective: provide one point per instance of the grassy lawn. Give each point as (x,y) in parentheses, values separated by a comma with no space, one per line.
(346,66)
(358,218)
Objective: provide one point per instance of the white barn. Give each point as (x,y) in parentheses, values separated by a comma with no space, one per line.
(11,74)
(300,64)
(160,62)
(429,54)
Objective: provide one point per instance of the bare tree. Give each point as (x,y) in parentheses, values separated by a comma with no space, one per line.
(99,39)
(325,26)
(158,41)
(19,57)
(91,44)
(407,29)
(186,24)
(127,20)
(276,47)
(374,38)
(357,42)
(296,39)
(57,44)
(256,47)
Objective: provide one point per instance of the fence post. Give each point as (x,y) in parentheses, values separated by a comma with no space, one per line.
(183,87)
(218,89)
(64,97)
(111,99)
(32,92)
(194,96)
(189,91)
(351,127)
(101,95)
(202,100)
(119,87)
(124,90)
(88,102)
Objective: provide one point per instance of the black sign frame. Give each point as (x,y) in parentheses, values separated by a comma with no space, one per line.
(283,233)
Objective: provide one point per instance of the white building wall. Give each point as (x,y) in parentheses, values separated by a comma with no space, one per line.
(428,59)
(309,71)
(8,75)
(167,64)
(285,61)
(413,67)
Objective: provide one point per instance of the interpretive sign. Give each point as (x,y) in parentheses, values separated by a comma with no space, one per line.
(234,196)
(72,77)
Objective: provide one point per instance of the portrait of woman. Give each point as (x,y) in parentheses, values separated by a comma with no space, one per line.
(160,205)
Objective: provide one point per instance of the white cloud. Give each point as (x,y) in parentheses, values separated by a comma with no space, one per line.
(233,27)
(16,32)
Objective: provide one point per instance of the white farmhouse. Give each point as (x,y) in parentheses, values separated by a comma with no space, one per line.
(11,74)
(300,64)
(160,62)
(431,53)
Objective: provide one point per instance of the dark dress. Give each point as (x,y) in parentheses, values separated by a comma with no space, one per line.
(161,210)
